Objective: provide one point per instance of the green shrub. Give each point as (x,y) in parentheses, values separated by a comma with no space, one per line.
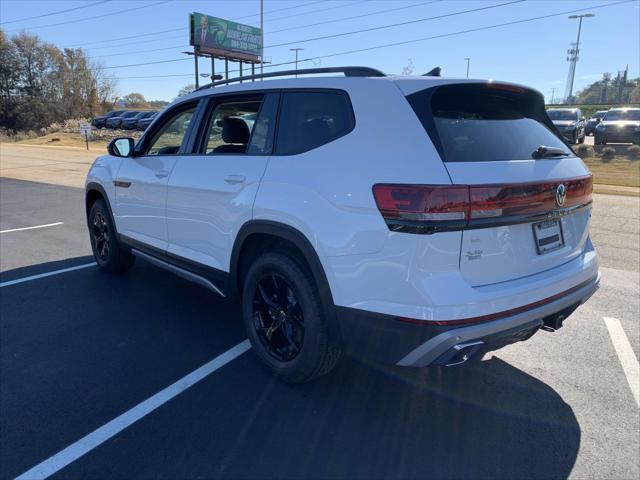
(583,150)
(633,151)
(608,152)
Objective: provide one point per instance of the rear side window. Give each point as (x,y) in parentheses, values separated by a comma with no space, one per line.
(311,119)
(484,123)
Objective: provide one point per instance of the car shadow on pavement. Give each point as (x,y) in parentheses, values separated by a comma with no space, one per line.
(482,420)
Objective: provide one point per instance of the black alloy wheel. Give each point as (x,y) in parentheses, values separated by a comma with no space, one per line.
(101,236)
(277,317)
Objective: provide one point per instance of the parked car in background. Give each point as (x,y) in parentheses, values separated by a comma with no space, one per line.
(570,122)
(619,125)
(116,121)
(101,120)
(596,118)
(426,250)
(131,123)
(143,123)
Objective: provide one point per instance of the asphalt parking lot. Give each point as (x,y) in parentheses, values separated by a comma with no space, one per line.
(81,348)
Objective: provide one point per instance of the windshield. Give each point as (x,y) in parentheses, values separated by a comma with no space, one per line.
(562,114)
(599,114)
(613,115)
(475,123)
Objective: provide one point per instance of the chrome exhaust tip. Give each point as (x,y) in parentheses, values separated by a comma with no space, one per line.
(458,354)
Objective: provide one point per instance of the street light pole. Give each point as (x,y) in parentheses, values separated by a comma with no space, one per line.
(573,55)
(553,91)
(296,50)
(468,60)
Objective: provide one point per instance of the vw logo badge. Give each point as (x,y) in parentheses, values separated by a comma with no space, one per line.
(561,195)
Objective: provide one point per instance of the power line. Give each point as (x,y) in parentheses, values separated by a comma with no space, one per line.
(381,27)
(280,9)
(342,34)
(355,16)
(140,51)
(461,32)
(187,28)
(315,11)
(171,37)
(416,40)
(98,16)
(302,26)
(55,13)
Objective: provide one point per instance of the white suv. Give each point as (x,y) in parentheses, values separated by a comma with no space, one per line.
(414,220)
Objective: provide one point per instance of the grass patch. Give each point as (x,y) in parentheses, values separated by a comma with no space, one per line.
(615,171)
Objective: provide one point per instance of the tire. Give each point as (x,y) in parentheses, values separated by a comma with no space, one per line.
(295,343)
(109,254)
(581,139)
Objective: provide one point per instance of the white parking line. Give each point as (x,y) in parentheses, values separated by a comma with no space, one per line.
(115,426)
(625,354)
(43,275)
(32,228)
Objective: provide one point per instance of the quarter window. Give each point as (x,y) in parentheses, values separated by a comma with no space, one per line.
(311,119)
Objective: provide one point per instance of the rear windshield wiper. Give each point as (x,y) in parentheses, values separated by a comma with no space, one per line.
(548,152)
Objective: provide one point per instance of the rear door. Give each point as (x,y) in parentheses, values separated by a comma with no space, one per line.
(529,212)
(211,191)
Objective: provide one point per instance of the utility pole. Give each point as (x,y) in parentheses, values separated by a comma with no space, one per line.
(468,60)
(296,50)
(553,91)
(573,56)
(261,37)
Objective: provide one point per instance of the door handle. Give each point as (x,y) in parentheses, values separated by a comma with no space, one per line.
(162,174)
(234,179)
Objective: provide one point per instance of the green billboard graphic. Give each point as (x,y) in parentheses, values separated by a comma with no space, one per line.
(225,38)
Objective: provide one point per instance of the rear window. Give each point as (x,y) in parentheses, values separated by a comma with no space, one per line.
(311,119)
(485,123)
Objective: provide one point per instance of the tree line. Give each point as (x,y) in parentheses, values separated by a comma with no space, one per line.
(41,83)
(611,90)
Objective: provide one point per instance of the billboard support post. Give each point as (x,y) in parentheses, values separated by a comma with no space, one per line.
(195,60)
(253,71)
(213,69)
(240,71)
(226,69)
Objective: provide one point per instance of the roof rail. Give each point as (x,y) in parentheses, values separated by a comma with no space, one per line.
(348,72)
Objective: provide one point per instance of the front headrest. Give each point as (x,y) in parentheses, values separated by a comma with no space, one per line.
(235,130)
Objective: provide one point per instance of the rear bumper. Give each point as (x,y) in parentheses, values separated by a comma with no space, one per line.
(388,339)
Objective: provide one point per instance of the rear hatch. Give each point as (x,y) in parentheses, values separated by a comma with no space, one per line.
(529,195)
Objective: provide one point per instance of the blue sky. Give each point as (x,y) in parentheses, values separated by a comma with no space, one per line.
(532,53)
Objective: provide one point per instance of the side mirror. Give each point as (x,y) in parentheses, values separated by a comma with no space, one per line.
(121,147)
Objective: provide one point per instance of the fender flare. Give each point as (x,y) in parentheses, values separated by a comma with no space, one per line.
(96,187)
(298,239)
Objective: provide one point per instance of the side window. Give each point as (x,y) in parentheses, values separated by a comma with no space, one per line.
(168,140)
(311,119)
(231,125)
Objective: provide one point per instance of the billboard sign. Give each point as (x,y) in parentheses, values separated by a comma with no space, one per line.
(224,38)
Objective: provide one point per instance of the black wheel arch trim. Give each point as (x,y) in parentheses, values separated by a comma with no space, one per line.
(297,238)
(96,187)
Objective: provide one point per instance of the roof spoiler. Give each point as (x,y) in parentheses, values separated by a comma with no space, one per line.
(434,72)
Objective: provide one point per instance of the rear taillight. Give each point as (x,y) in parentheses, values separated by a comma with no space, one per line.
(430,209)
(433,208)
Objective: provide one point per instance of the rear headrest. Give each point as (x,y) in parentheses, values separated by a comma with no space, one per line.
(235,130)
